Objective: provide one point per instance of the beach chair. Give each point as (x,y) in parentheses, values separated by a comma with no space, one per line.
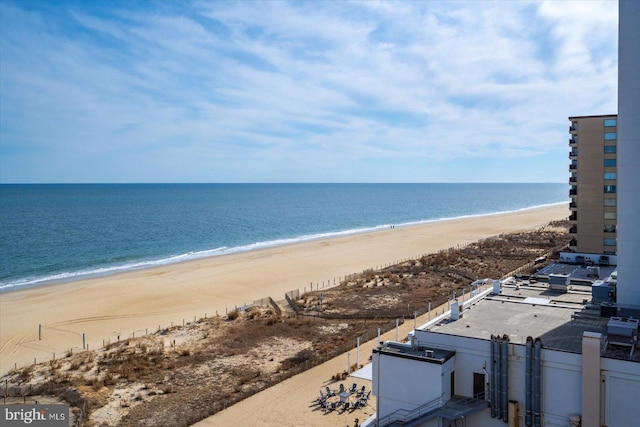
(362,391)
(330,393)
(354,388)
(364,400)
(341,388)
(321,398)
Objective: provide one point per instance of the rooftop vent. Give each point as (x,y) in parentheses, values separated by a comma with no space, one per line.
(455,311)
(428,353)
(496,287)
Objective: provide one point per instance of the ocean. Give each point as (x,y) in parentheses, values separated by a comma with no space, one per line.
(55,233)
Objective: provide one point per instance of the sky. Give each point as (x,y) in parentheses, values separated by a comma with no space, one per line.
(297,91)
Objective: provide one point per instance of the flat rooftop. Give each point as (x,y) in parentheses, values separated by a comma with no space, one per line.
(559,319)
(427,354)
(578,272)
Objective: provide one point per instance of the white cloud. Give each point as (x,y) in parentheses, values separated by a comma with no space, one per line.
(258,90)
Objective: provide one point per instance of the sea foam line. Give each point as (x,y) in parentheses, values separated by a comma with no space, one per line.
(224,250)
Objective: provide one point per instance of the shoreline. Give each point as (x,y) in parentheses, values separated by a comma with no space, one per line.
(135,302)
(107,271)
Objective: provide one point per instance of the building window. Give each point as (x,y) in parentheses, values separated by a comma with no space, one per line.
(610,122)
(609,149)
(609,215)
(609,188)
(609,136)
(609,162)
(609,229)
(609,242)
(609,202)
(609,175)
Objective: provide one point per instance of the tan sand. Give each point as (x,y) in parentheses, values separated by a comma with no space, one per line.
(133,302)
(291,402)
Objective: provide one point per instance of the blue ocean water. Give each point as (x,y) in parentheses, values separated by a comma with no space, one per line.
(63,232)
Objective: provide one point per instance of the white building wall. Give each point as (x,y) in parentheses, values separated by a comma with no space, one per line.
(561,386)
(472,355)
(402,383)
(445,378)
(469,361)
(561,381)
(621,391)
(629,153)
(561,377)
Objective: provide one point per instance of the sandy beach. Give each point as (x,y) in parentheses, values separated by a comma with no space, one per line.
(291,402)
(134,302)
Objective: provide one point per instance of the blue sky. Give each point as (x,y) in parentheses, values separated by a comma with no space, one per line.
(270,91)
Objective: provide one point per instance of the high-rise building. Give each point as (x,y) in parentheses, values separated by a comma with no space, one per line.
(629,153)
(593,184)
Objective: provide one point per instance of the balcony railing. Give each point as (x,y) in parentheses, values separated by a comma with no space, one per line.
(573,192)
(573,205)
(573,243)
(573,230)
(573,141)
(573,216)
(573,168)
(404,415)
(573,179)
(573,153)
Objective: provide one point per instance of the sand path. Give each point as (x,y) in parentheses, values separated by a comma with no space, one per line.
(291,402)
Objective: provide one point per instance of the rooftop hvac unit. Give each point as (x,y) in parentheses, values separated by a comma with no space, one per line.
(559,282)
(593,271)
(622,326)
(608,309)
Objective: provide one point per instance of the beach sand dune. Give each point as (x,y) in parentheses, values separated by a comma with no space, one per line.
(102,309)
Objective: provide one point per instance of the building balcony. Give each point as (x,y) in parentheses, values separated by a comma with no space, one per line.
(573,216)
(573,128)
(573,154)
(573,192)
(573,206)
(573,141)
(573,243)
(573,179)
(573,168)
(573,229)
